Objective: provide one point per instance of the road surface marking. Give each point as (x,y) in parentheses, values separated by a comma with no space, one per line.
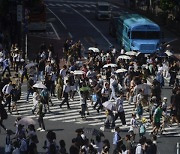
(115,6)
(87,6)
(55,31)
(92,5)
(51,4)
(58,18)
(59,4)
(70,35)
(73,5)
(105,38)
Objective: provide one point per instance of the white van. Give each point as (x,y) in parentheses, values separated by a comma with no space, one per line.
(103,10)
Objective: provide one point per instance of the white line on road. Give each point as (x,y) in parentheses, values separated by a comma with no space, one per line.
(59,4)
(57,18)
(55,31)
(92,25)
(70,35)
(51,4)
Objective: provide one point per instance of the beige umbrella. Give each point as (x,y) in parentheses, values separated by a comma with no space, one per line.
(111,65)
(131,53)
(78,72)
(121,70)
(94,49)
(123,57)
(39,85)
(26,121)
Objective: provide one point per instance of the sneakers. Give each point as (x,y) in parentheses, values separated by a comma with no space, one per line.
(42,130)
(102,128)
(39,129)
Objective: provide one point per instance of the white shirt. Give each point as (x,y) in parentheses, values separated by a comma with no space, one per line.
(7,89)
(48,69)
(119,105)
(139,149)
(62,73)
(35,98)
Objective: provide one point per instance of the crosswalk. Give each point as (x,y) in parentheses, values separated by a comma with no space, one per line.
(73,116)
(76,5)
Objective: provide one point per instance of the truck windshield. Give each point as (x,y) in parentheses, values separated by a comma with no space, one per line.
(145,35)
(103,8)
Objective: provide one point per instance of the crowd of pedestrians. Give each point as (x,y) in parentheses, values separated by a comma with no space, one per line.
(95,78)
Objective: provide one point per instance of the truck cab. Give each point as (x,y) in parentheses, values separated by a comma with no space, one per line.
(103,10)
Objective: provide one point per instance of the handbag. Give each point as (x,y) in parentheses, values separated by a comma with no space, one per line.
(8,148)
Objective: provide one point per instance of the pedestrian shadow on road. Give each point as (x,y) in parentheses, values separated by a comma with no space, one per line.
(56,129)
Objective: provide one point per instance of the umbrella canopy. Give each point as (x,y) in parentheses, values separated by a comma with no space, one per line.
(78,72)
(109,105)
(26,121)
(121,70)
(131,53)
(168,53)
(123,57)
(111,65)
(93,132)
(39,85)
(94,49)
(30,65)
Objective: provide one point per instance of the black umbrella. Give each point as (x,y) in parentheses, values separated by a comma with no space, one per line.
(93,132)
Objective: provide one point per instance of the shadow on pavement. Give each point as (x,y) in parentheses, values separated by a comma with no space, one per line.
(58,129)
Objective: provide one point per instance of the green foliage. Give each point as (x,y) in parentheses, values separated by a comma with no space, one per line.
(167,5)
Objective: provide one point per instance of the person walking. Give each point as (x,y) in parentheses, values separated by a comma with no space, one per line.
(30,90)
(7,95)
(120,109)
(40,114)
(6,66)
(35,100)
(14,96)
(3,115)
(59,87)
(116,139)
(66,90)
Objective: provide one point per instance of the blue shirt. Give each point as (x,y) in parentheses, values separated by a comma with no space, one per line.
(116,138)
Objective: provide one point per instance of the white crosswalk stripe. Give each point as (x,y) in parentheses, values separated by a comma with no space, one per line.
(50,4)
(59,5)
(72,115)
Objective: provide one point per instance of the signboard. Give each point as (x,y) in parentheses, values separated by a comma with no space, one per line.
(19,13)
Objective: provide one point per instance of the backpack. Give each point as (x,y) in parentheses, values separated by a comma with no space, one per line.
(133,149)
(45,95)
(142,129)
(4,114)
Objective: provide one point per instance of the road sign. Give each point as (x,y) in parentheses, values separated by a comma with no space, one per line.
(19,13)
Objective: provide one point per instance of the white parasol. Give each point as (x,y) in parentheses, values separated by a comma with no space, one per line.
(39,85)
(94,49)
(131,53)
(109,105)
(30,65)
(123,57)
(121,70)
(78,72)
(111,65)
(168,53)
